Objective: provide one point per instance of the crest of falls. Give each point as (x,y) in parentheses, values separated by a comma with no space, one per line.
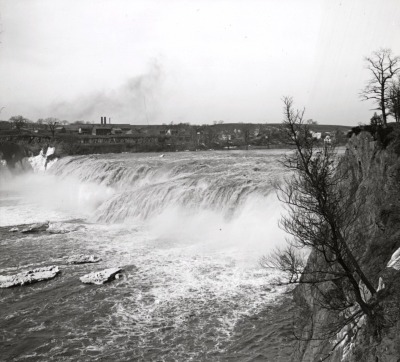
(209,185)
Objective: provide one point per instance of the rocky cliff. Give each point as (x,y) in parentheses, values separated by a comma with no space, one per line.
(375,175)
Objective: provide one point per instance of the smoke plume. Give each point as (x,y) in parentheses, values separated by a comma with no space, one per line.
(137,101)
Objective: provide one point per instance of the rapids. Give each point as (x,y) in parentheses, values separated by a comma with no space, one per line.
(188,229)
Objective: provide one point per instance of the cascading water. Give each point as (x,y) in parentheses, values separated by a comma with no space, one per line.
(188,229)
(40,162)
(147,187)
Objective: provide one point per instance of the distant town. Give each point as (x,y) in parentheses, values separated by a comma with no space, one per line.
(83,137)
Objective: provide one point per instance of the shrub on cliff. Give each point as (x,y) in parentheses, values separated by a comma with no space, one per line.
(320,218)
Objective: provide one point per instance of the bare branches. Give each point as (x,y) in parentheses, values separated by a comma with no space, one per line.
(383,66)
(19,122)
(320,218)
(289,260)
(52,124)
(394,100)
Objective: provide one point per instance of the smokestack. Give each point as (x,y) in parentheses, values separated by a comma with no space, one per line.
(109,120)
(101,120)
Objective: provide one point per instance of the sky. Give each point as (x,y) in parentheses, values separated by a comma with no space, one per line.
(196,61)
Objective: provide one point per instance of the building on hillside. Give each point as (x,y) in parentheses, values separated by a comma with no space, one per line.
(85,129)
(124,127)
(316,135)
(60,129)
(327,140)
(102,131)
(116,131)
(73,128)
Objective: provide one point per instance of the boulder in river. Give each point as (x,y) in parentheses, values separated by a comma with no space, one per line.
(83,259)
(35,228)
(63,228)
(100,277)
(29,277)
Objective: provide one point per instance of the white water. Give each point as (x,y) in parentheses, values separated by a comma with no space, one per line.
(193,225)
(39,163)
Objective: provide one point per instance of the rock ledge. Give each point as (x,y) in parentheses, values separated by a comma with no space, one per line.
(29,277)
(83,259)
(100,277)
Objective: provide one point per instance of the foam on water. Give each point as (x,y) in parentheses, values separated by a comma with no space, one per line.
(188,230)
(40,196)
(39,163)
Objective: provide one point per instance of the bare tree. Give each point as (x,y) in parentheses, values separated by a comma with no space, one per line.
(383,66)
(52,124)
(246,129)
(18,122)
(320,218)
(394,100)
(210,135)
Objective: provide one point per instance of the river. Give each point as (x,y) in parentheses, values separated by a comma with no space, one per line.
(188,230)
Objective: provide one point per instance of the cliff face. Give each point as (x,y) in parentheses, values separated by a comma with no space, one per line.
(12,153)
(375,174)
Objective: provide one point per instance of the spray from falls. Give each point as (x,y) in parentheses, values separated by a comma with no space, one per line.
(213,196)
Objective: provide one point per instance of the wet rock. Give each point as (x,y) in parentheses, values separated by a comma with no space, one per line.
(394,261)
(29,277)
(83,259)
(35,228)
(13,230)
(100,277)
(381,284)
(63,228)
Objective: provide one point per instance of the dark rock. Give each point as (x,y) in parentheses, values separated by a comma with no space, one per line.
(29,277)
(35,228)
(12,153)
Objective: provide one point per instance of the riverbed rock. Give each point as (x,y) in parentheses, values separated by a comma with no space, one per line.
(100,277)
(29,277)
(63,228)
(35,228)
(394,261)
(83,259)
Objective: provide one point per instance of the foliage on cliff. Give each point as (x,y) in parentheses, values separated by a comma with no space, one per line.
(374,165)
(321,197)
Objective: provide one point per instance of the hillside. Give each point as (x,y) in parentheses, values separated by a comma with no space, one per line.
(92,138)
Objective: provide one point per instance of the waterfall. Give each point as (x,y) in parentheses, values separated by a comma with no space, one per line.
(147,186)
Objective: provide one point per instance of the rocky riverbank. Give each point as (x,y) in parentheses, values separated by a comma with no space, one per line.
(375,170)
